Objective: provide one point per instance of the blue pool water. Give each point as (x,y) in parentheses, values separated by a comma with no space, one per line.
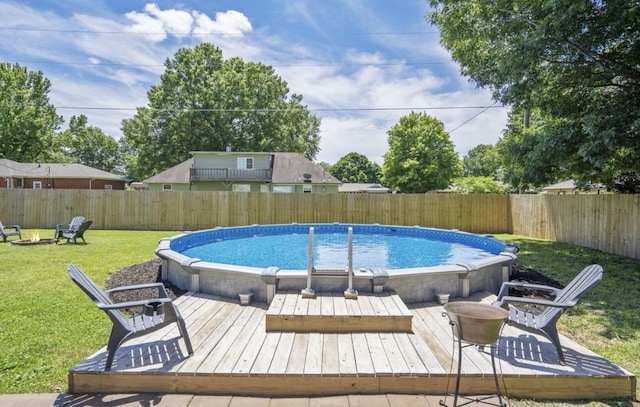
(374,246)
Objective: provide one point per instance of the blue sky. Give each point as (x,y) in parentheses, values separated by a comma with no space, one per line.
(360,65)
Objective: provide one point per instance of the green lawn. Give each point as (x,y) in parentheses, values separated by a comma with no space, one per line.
(48,324)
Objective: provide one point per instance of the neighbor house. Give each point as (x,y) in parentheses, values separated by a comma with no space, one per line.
(56,176)
(569,187)
(360,188)
(244,172)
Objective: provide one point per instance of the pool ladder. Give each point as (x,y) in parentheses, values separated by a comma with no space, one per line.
(349,293)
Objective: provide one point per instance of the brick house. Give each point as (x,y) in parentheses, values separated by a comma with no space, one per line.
(56,176)
(245,172)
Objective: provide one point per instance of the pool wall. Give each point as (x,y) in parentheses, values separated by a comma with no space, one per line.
(412,285)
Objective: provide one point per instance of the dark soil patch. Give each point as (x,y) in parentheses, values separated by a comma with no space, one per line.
(150,272)
(141,273)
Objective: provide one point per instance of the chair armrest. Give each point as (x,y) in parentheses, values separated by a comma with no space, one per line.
(161,290)
(131,304)
(14,227)
(534,301)
(504,290)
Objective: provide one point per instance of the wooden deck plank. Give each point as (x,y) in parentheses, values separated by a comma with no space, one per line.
(302,305)
(353,307)
(330,355)
(290,301)
(394,355)
(283,350)
(364,364)
(313,359)
(314,306)
(298,354)
(346,355)
(339,304)
(413,360)
(266,354)
(389,304)
(364,303)
(326,301)
(250,353)
(378,355)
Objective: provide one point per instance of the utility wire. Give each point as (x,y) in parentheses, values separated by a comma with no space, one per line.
(221,34)
(320,109)
(474,116)
(273,65)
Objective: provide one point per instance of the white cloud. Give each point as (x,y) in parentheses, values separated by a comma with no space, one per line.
(175,22)
(230,22)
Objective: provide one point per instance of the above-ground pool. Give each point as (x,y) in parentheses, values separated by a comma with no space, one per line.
(415,262)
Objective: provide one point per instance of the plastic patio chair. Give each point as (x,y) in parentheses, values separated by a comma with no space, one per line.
(545,322)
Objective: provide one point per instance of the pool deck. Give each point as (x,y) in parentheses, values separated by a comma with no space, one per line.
(236,355)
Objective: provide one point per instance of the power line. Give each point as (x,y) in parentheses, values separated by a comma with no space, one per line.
(474,116)
(178,33)
(273,65)
(266,110)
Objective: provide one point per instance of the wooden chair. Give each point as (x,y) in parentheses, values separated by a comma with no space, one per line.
(75,234)
(5,233)
(157,312)
(545,322)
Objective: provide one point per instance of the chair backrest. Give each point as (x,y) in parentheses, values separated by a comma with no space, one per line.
(76,222)
(84,226)
(1,228)
(582,283)
(94,292)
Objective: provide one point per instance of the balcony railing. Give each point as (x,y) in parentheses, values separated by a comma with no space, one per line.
(229,174)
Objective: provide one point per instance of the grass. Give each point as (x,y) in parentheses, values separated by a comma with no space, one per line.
(48,324)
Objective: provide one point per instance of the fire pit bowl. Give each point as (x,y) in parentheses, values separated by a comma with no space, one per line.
(476,322)
(29,242)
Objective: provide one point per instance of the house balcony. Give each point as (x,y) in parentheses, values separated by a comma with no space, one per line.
(229,174)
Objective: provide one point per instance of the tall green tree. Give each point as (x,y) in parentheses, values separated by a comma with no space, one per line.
(481,161)
(421,156)
(88,145)
(576,62)
(28,120)
(206,103)
(355,167)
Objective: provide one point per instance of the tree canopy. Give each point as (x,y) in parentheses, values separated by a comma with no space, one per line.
(481,161)
(356,168)
(575,63)
(28,120)
(421,156)
(206,103)
(87,145)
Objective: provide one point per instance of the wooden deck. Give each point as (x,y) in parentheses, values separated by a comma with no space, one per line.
(236,355)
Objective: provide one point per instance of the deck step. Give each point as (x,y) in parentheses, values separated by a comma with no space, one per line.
(331,312)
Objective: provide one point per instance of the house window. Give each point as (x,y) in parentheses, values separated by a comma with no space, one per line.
(19,182)
(37,184)
(166,187)
(241,188)
(283,189)
(245,163)
(108,187)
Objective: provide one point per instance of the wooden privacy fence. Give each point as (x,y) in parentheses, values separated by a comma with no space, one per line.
(192,210)
(606,222)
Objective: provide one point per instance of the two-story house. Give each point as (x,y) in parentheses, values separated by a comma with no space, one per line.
(245,172)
